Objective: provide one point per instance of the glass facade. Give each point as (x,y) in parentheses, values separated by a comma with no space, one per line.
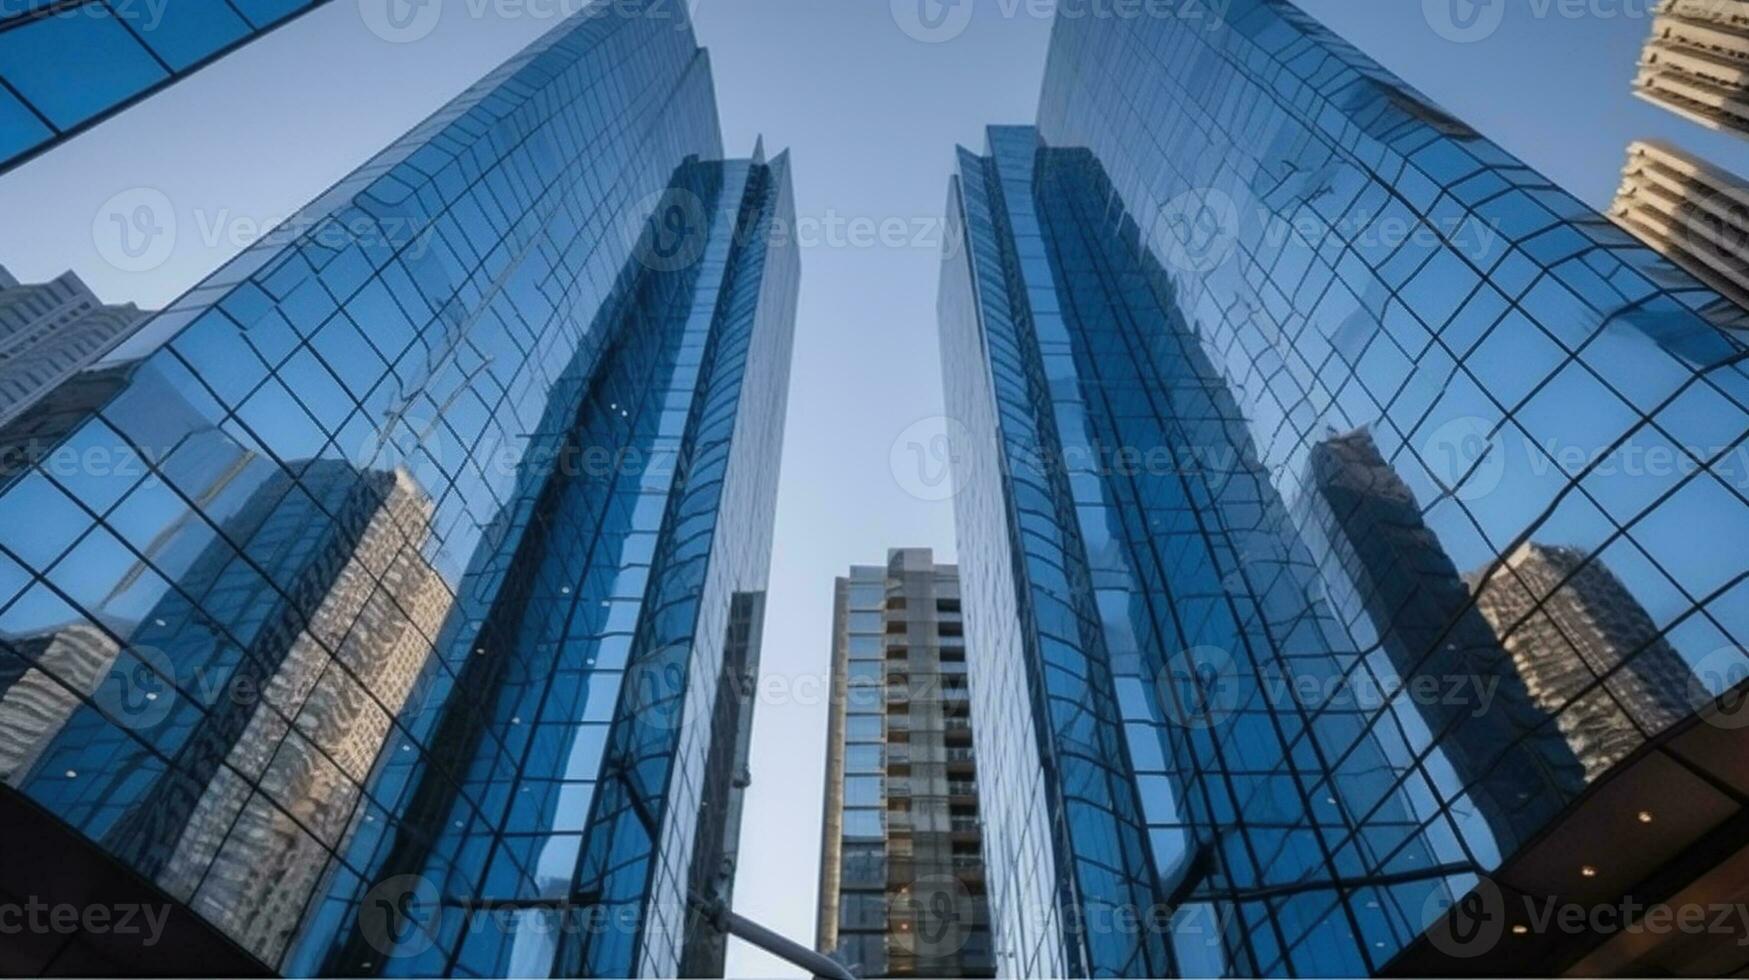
(376,601)
(66,65)
(1341,502)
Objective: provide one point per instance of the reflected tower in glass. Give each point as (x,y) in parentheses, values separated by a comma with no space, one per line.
(386,606)
(1345,523)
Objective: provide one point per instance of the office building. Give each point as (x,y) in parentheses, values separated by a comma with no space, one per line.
(1696,63)
(51,331)
(1694,214)
(901,870)
(65,67)
(406,628)
(1268,367)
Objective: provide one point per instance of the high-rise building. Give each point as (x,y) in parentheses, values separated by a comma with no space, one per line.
(1694,214)
(67,66)
(51,331)
(901,869)
(387,604)
(1265,367)
(1696,63)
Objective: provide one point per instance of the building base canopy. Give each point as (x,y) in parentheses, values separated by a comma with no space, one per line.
(1647,874)
(69,909)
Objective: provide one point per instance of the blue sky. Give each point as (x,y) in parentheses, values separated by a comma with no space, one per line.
(872,115)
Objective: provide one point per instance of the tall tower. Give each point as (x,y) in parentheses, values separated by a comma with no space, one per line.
(901,870)
(406,630)
(51,331)
(1245,699)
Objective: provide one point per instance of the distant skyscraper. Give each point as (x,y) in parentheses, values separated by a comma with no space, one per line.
(1694,214)
(901,871)
(1696,63)
(51,331)
(64,67)
(388,602)
(1256,350)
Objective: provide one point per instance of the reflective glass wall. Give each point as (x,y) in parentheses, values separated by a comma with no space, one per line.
(372,600)
(1340,500)
(66,66)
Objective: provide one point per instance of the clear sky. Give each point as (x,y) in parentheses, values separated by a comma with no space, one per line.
(872,114)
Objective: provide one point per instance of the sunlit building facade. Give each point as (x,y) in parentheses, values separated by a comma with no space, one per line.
(901,869)
(1346,522)
(1696,62)
(387,605)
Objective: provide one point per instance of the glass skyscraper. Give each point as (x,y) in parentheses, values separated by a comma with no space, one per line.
(386,604)
(66,66)
(1350,526)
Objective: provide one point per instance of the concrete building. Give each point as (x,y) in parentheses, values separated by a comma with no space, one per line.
(51,331)
(1692,212)
(1696,63)
(901,871)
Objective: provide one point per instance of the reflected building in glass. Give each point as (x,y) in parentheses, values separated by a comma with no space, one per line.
(388,605)
(901,867)
(1345,520)
(67,66)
